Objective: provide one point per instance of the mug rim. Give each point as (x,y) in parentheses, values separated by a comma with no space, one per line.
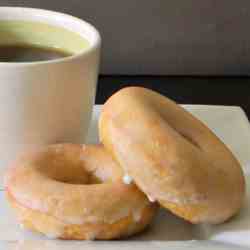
(93,45)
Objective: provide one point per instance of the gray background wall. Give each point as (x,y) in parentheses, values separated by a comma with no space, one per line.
(165,37)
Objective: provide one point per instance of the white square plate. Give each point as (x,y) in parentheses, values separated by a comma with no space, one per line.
(167,231)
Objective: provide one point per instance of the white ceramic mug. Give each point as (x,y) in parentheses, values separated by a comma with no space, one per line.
(51,101)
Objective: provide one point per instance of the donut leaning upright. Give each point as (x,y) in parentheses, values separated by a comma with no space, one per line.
(172,156)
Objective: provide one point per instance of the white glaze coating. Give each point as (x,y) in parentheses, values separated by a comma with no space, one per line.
(21,225)
(137,214)
(86,216)
(53,235)
(127,179)
(151,199)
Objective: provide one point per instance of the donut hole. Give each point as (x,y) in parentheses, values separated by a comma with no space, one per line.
(76,164)
(66,167)
(67,172)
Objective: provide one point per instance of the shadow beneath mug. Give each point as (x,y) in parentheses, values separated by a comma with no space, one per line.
(93,135)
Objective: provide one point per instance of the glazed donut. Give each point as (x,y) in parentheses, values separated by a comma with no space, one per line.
(72,191)
(172,156)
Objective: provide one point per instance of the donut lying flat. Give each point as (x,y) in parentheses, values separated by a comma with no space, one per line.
(76,192)
(172,157)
